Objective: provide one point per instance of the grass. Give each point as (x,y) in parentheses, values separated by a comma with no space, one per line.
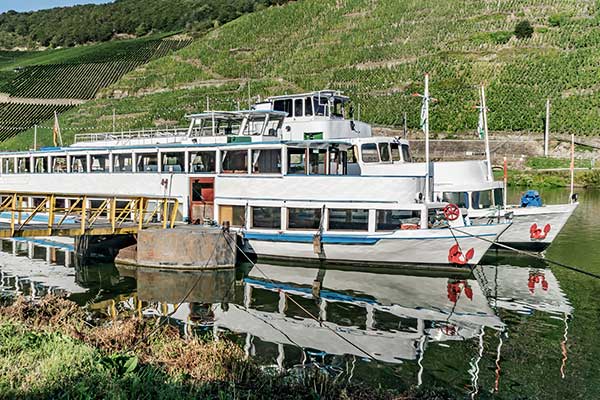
(48,351)
(550,162)
(534,179)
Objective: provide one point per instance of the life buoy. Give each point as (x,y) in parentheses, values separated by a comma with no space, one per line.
(408,227)
(451,212)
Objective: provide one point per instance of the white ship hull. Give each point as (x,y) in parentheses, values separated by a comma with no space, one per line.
(428,246)
(518,235)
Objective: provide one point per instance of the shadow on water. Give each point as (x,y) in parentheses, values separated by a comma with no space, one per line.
(503,329)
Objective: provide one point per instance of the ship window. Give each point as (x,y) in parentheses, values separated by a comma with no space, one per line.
(8,165)
(337,162)
(395,150)
(308,107)
(298,107)
(348,219)
(283,105)
(266,217)
(122,163)
(203,161)
(173,162)
(482,199)
(369,153)
(317,161)
(79,164)
(296,161)
(384,151)
(266,161)
(389,220)
(23,165)
(304,218)
(461,199)
(406,153)
(41,165)
(59,164)
(498,197)
(320,106)
(235,162)
(235,215)
(147,162)
(100,163)
(338,108)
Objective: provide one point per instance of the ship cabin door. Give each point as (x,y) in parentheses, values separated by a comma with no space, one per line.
(202,195)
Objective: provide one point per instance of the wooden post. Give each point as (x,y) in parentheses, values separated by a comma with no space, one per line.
(505,183)
(83,214)
(572,166)
(140,213)
(113,214)
(547,128)
(426,130)
(51,200)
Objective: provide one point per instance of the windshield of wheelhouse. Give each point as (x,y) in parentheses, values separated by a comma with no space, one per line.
(461,199)
(482,199)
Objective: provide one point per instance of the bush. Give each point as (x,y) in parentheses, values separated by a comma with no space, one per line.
(558,19)
(523,30)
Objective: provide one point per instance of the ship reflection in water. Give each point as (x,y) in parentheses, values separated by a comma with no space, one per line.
(394,328)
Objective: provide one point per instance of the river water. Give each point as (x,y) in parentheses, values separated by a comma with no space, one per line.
(514,327)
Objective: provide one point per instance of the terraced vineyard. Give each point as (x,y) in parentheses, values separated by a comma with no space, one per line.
(76,73)
(378,51)
(15,118)
(81,77)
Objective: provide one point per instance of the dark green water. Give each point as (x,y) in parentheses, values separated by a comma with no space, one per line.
(514,328)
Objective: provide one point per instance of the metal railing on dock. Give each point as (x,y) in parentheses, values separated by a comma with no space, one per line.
(28,214)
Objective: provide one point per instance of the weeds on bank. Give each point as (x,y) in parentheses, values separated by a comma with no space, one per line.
(49,350)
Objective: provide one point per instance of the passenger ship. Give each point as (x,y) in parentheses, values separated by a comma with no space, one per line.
(293,193)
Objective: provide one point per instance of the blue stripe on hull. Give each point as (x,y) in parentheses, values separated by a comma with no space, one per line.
(337,239)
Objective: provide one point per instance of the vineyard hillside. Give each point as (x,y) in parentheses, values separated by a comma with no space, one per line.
(377,52)
(34,85)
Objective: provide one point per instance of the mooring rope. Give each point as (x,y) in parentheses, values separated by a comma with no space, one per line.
(533,255)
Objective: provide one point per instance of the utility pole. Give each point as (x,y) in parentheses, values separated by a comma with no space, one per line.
(405,128)
(114,120)
(547,128)
(35,137)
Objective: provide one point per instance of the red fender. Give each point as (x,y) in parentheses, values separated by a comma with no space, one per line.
(455,256)
(468,292)
(536,233)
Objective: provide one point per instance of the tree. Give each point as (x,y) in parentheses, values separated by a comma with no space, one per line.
(523,30)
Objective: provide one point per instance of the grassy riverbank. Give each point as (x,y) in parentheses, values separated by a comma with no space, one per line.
(49,350)
(551,179)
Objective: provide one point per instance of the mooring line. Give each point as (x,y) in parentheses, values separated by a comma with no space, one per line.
(533,255)
(301,307)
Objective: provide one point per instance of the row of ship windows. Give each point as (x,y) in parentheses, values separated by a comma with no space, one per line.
(300,161)
(311,218)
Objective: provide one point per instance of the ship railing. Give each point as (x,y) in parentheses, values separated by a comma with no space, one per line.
(129,135)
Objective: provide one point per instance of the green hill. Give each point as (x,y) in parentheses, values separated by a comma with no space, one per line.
(69,26)
(377,52)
